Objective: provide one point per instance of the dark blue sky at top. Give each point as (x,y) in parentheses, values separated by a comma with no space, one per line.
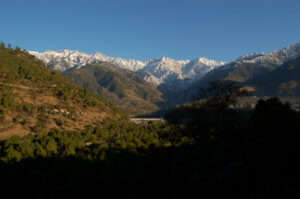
(145,29)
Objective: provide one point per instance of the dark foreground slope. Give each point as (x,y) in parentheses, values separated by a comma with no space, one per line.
(124,88)
(216,157)
(36,99)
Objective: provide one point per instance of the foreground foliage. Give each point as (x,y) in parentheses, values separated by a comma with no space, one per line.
(94,143)
(249,160)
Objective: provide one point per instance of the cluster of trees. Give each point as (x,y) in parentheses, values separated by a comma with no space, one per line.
(213,107)
(239,160)
(93,143)
(6,97)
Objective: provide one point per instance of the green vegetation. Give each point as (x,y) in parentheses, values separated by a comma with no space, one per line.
(33,98)
(94,143)
(19,67)
(173,159)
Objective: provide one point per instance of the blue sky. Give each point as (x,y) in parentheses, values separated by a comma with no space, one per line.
(144,29)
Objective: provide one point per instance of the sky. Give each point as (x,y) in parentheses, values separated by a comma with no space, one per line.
(147,29)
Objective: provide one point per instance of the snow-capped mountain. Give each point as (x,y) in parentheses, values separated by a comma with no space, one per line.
(156,71)
(167,70)
(252,65)
(250,56)
(277,57)
(67,59)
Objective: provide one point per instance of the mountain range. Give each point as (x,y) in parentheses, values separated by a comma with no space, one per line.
(253,65)
(157,71)
(137,87)
(170,81)
(248,70)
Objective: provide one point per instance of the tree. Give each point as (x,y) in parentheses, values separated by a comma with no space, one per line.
(288,88)
(274,115)
(18,49)
(2,45)
(222,92)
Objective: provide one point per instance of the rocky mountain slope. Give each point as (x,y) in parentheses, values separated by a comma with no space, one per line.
(247,68)
(35,99)
(122,87)
(283,81)
(253,65)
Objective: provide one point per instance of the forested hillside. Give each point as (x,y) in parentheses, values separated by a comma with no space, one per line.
(35,99)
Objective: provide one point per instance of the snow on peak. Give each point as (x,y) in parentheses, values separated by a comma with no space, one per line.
(250,56)
(209,62)
(273,59)
(156,71)
(278,57)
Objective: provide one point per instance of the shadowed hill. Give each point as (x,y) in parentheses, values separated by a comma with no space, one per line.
(253,69)
(36,99)
(283,81)
(124,88)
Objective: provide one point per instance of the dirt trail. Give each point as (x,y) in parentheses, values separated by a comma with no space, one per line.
(18,86)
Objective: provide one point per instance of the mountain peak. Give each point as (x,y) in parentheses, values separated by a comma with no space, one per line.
(162,69)
(201,59)
(249,56)
(208,62)
(164,58)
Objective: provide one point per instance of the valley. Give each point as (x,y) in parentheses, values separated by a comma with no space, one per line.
(61,128)
(148,99)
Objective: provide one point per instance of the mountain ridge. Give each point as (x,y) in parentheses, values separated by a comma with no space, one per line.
(179,80)
(122,87)
(285,80)
(246,67)
(158,70)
